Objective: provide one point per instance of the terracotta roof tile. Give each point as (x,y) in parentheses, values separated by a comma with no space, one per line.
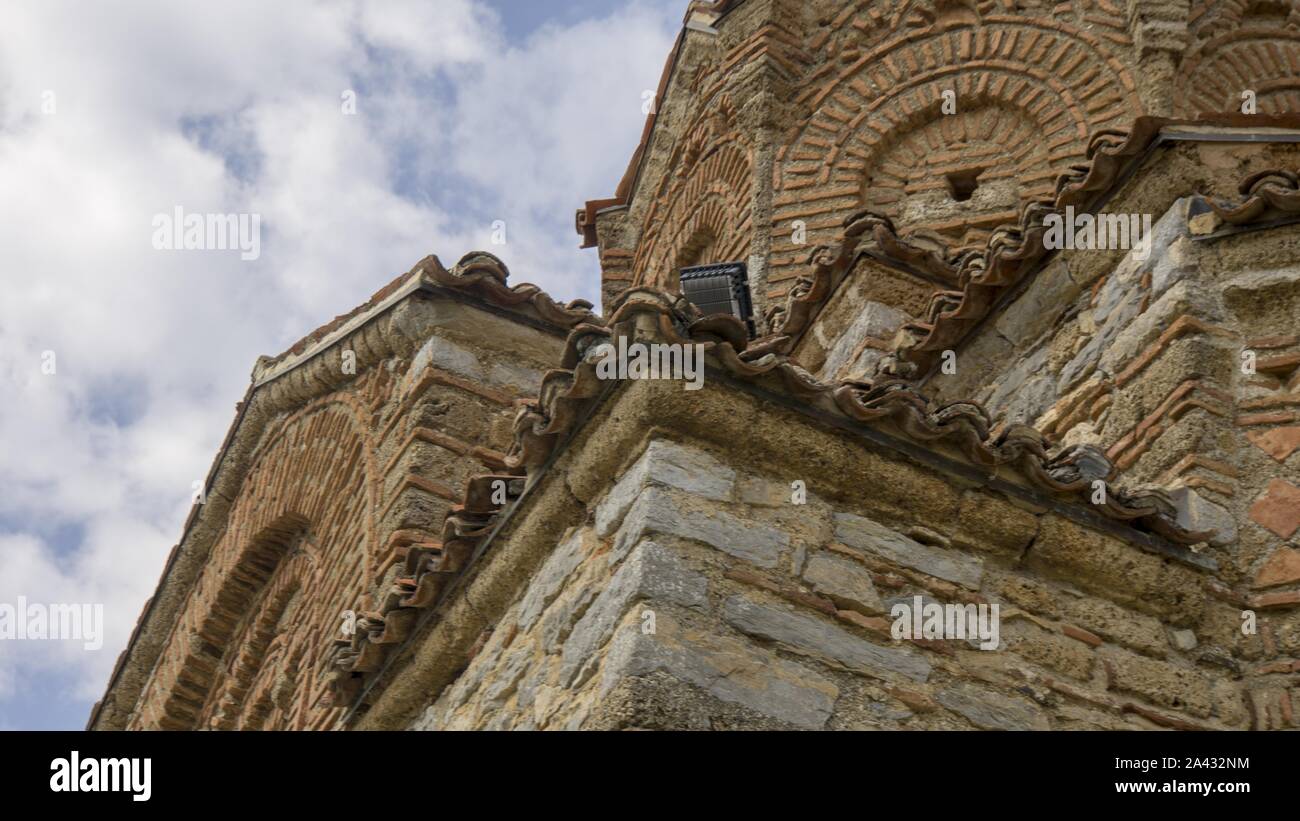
(568,392)
(981,274)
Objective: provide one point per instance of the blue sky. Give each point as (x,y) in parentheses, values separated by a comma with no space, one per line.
(467,112)
(521,18)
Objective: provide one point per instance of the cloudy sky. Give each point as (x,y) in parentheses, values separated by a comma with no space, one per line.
(466,112)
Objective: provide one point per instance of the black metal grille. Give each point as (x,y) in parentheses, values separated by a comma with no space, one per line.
(720,289)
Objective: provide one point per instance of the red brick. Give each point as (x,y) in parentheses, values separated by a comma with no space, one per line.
(1278,442)
(1273,342)
(917,701)
(1160,718)
(1279,508)
(1284,363)
(1275,418)
(1267,600)
(1283,567)
(1081,634)
(874,624)
(1284,666)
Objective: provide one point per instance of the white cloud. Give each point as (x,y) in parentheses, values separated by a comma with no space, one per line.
(236,107)
(431,35)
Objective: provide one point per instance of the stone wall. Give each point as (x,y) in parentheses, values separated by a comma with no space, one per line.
(336,470)
(1145,359)
(856,328)
(731,557)
(698,594)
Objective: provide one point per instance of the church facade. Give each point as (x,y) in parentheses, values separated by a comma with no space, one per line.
(979,408)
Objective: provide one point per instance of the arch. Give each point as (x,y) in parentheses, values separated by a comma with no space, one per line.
(1217,70)
(1211,18)
(962,175)
(275,572)
(304,519)
(707,196)
(700,248)
(1029,91)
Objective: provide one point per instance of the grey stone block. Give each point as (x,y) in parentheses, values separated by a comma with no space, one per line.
(1196,513)
(992,711)
(650,572)
(655,511)
(1183,639)
(501,683)
(1046,298)
(1175,264)
(1012,382)
(1031,401)
(670,464)
(733,671)
(446,355)
(950,565)
(1144,328)
(550,579)
(474,675)
(1113,319)
(874,319)
(558,621)
(846,582)
(813,635)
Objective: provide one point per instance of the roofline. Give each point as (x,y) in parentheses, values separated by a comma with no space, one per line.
(417,282)
(1222,127)
(632,175)
(1169,133)
(875,439)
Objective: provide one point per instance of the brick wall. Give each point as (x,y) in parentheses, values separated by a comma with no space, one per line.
(318,517)
(782,119)
(659,573)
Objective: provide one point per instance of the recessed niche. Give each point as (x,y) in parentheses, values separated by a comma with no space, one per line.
(962,184)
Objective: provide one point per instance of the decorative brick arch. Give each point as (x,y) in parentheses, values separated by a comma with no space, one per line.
(703,205)
(1029,91)
(1241,46)
(942,13)
(1211,18)
(990,162)
(304,520)
(279,567)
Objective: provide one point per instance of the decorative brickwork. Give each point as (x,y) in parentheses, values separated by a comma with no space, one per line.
(1027,95)
(702,213)
(855,115)
(941,408)
(316,474)
(1241,46)
(351,497)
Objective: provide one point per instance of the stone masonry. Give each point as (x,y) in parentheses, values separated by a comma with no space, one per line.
(433,513)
